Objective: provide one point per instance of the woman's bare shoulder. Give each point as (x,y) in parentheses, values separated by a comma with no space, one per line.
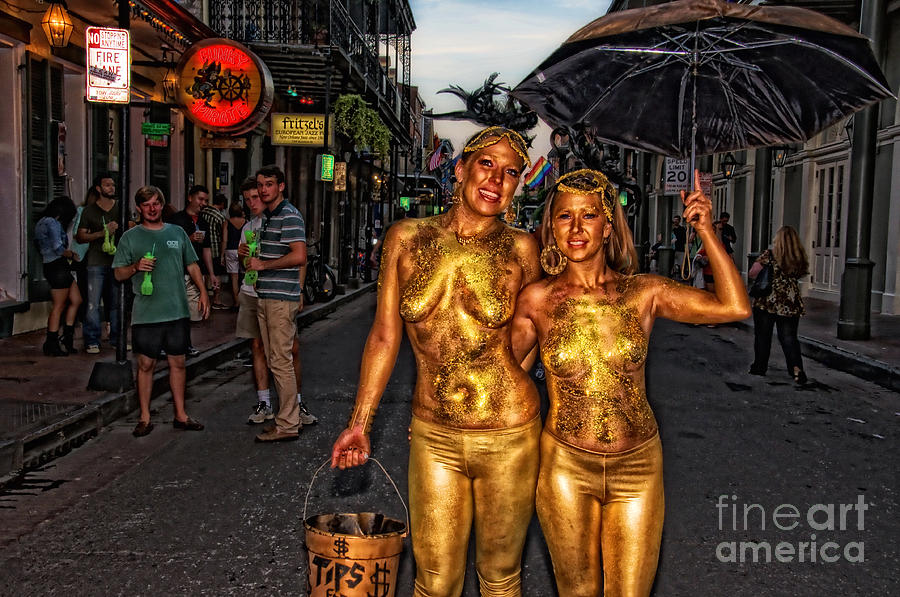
(535,292)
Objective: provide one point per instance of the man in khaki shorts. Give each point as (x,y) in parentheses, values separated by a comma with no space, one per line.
(248,325)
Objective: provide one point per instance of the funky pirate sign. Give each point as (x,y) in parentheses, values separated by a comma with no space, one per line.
(223,87)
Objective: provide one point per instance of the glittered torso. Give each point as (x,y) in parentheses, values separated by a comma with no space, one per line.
(457,298)
(594,346)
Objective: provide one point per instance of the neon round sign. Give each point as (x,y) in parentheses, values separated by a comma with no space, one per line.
(223,87)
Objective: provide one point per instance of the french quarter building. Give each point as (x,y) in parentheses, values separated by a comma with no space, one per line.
(54,142)
(319,51)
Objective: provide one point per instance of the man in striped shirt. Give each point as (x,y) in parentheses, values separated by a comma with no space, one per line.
(282,251)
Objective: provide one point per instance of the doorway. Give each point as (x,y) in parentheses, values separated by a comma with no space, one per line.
(829,206)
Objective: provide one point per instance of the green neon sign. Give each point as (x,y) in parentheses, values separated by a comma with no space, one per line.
(325,167)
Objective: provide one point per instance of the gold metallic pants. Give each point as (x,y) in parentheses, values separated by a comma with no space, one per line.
(461,476)
(611,503)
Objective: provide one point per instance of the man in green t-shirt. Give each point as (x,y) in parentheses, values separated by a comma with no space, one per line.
(160,317)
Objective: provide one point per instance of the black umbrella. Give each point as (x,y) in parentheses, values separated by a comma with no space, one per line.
(706,76)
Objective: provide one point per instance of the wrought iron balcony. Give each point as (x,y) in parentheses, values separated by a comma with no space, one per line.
(318,28)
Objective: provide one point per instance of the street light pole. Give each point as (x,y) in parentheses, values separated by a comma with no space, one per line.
(118,375)
(125,183)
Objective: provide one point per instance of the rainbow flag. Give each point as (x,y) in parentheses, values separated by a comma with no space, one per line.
(537,173)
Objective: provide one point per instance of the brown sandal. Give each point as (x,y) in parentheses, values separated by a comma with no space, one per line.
(189,425)
(142,428)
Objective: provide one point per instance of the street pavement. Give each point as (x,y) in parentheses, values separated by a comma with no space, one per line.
(212,513)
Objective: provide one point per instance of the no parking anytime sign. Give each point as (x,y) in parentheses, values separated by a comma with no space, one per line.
(108,65)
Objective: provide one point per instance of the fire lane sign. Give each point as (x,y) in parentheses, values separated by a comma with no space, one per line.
(108,65)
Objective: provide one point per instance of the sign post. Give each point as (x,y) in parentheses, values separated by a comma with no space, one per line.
(108,70)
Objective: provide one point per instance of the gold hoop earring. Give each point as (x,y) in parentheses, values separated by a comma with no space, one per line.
(511,214)
(561,260)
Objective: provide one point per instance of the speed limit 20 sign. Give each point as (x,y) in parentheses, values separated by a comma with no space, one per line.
(678,176)
(108,65)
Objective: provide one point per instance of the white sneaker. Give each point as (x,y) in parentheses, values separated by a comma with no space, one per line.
(92,349)
(306,417)
(262,412)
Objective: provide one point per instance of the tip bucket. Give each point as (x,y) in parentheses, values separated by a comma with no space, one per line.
(353,554)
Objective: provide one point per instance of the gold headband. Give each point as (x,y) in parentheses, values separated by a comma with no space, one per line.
(590,182)
(493,135)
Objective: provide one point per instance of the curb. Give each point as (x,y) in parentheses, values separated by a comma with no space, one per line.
(878,372)
(36,446)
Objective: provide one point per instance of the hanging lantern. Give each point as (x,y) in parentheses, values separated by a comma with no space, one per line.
(728,165)
(170,85)
(57,25)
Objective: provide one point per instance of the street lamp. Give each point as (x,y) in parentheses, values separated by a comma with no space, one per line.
(728,165)
(170,79)
(779,156)
(57,25)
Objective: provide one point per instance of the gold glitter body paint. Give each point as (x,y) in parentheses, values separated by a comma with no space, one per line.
(600,495)
(451,282)
(594,353)
(457,297)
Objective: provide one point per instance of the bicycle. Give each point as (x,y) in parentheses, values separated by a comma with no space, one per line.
(321,281)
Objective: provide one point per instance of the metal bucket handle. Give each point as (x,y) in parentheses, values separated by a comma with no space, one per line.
(394,485)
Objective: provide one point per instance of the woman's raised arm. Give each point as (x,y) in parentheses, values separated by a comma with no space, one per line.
(691,305)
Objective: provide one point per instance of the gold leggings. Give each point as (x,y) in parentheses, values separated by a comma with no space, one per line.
(457,476)
(611,503)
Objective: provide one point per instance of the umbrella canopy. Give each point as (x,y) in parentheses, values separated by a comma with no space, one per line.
(746,76)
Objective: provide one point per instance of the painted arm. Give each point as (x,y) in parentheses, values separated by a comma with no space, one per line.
(523,332)
(352,446)
(692,305)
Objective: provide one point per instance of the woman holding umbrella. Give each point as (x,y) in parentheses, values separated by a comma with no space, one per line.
(600,486)
(452,280)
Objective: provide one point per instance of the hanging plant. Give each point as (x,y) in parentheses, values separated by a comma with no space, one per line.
(361,124)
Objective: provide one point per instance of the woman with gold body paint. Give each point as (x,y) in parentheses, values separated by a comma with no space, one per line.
(600,488)
(452,281)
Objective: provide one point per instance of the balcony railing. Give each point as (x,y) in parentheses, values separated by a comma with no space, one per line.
(324,24)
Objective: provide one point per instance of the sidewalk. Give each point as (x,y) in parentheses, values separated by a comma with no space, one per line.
(876,359)
(45,408)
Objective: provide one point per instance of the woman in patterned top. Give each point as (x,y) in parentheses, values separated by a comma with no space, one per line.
(783,306)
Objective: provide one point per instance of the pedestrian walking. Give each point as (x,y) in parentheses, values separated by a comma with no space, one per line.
(154,256)
(282,251)
(600,491)
(782,307)
(53,244)
(727,233)
(98,226)
(679,239)
(248,326)
(452,280)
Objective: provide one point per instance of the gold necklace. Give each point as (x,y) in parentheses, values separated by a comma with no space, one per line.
(468,240)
